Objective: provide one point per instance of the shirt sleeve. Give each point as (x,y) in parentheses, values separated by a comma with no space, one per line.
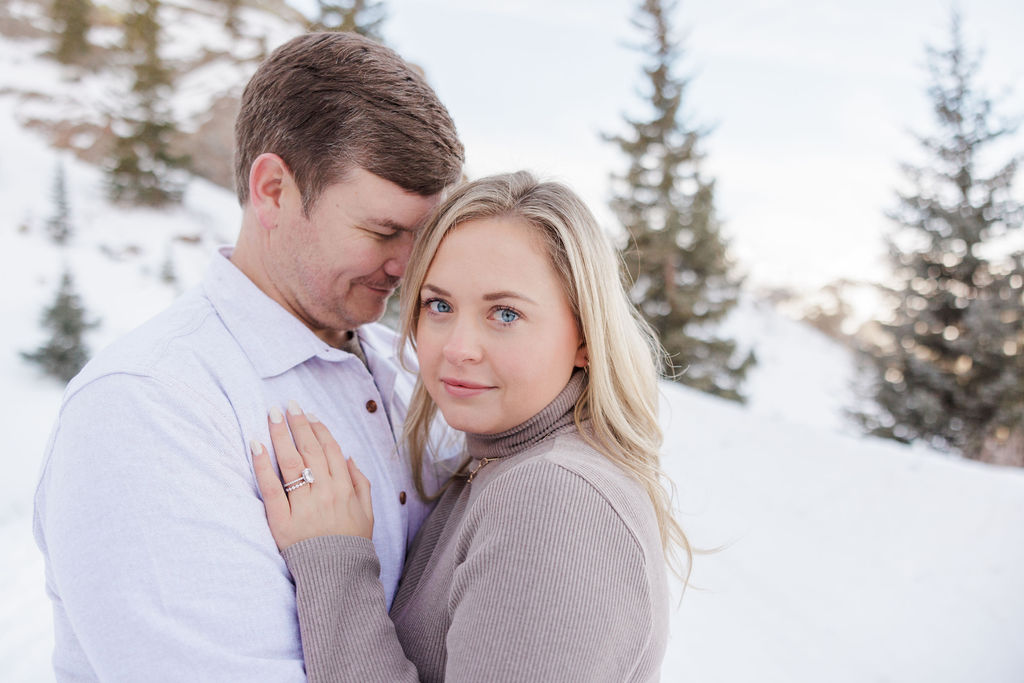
(554,585)
(158,554)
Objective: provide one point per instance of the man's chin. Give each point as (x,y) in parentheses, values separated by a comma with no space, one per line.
(368,311)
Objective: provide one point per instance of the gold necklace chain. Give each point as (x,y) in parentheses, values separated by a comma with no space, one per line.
(480,463)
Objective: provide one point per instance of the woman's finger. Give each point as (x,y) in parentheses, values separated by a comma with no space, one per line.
(306,442)
(288,459)
(361,485)
(332,451)
(274,498)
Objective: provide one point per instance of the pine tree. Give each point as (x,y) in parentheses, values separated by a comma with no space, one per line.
(65,353)
(72,29)
(168,274)
(677,256)
(231,15)
(364,17)
(951,369)
(59,225)
(143,169)
(830,312)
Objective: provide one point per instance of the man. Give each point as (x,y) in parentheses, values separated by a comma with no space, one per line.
(159,561)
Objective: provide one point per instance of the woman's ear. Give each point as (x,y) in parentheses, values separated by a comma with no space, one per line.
(582,357)
(267,177)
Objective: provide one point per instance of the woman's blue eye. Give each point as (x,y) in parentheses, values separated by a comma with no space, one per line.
(438,306)
(507,315)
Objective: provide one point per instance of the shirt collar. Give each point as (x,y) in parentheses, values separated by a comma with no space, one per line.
(273,339)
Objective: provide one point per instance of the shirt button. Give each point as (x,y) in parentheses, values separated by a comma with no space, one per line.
(371,406)
(401,497)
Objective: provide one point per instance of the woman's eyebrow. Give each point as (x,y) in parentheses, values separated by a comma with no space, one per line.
(490,296)
(494,296)
(436,290)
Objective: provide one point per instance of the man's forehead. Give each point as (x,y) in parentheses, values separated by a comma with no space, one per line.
(414,222)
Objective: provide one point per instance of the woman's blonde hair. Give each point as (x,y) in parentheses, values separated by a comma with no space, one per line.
(620,400)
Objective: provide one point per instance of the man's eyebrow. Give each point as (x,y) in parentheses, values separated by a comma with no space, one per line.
(388,224)
(491,296)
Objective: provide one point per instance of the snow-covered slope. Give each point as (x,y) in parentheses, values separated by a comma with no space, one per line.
(801,375)
(841,558)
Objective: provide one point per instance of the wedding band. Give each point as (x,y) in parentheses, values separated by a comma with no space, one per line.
(306,478)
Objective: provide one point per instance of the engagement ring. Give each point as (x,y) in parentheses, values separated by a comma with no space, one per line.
(306,478)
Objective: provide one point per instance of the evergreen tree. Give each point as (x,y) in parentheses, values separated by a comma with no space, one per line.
(64,354)
(168,274)
(364,17)
(231,15)
(830,312)
(677,257)
(951,369)
(143,169)
(59,225)
(72,29)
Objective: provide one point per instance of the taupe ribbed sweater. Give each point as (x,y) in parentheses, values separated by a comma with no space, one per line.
(546,567)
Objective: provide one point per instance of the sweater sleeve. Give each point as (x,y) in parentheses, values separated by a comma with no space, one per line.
(346,632)
(554,585)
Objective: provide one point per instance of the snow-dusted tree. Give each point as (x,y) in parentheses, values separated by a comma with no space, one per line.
(59,225)
(677,256)
(65,352)
(950,368)
(364,17)
(71,18)
(168,273)
(231,8)
(143,170)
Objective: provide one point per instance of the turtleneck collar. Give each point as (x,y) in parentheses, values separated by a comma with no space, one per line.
(554,419)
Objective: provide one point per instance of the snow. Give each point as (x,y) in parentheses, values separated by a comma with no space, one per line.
(836,557)
(843,559)
(801,374)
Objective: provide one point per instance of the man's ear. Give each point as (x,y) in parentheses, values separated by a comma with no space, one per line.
(267,178)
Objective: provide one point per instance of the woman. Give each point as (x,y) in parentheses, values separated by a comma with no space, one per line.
(545,558)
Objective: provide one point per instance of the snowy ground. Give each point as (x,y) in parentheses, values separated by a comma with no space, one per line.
(841,558)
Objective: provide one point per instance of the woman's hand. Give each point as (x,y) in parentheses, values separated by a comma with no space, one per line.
(337,502)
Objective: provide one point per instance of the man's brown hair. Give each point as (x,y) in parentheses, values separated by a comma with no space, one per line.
(328,102)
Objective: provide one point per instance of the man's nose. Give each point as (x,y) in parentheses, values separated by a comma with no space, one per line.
(401,250)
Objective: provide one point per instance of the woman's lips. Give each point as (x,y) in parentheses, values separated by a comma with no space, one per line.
(461,388)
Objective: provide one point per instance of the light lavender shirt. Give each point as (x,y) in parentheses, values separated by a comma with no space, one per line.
(159,561)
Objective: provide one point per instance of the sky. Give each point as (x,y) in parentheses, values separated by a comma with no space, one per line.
(810,106)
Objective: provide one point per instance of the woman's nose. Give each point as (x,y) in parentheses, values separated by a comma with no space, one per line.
(463,345)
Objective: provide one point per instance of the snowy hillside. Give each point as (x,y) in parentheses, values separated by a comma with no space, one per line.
(842,558)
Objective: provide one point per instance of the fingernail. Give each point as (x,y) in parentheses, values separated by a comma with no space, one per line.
(256,447)
(312,418)
(293,408)
(275,415)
